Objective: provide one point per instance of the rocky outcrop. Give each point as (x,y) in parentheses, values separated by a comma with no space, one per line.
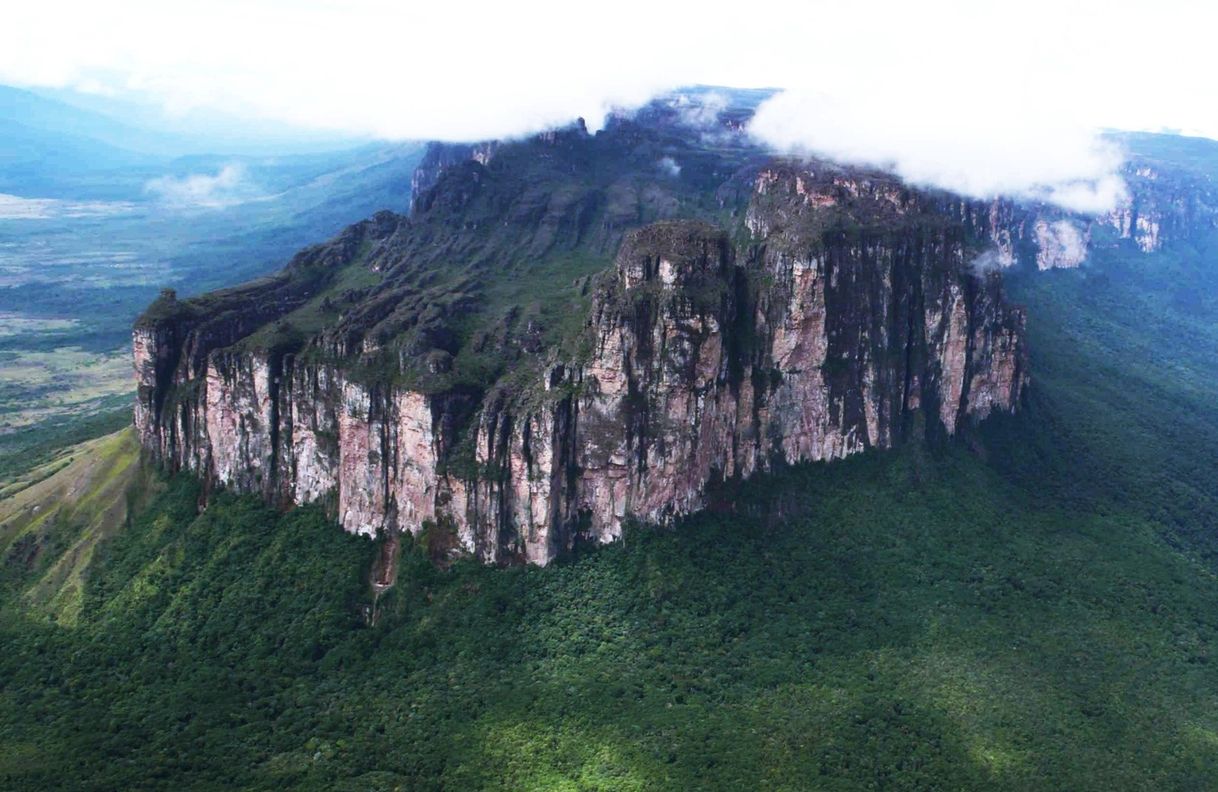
(439,157)
(1164,205)
(842,316)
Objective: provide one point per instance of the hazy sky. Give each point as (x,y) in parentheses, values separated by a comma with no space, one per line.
(973,96)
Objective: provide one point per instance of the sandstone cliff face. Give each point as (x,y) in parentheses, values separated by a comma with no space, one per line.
(1164,205)
(843,316)
(1161,206)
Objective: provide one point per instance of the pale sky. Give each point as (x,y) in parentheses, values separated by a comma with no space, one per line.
(979,97)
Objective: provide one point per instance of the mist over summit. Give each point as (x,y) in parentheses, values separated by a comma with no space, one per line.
(979,102)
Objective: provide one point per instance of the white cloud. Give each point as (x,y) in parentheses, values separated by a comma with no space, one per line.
(228,187)
(1060,244)
(989,261)
(669,167)
(701,112)
(970,148)
(973,96)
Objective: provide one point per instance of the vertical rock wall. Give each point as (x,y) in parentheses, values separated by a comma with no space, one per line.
(704,358)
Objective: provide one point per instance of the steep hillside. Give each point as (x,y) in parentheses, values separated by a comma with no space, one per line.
(53,517)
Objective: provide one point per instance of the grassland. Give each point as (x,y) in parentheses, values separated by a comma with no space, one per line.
(57,397)
(35,386)
(53,517)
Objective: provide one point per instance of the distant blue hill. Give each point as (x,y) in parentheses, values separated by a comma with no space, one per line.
(98,148)
(48,149)
(115,208)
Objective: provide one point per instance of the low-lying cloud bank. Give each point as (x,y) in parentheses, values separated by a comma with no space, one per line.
(950,93)
(227,187)
(959,147)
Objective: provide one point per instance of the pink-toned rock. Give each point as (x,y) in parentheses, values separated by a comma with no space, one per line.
(705,360)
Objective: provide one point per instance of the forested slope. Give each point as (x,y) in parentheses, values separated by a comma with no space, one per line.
(1030,607)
